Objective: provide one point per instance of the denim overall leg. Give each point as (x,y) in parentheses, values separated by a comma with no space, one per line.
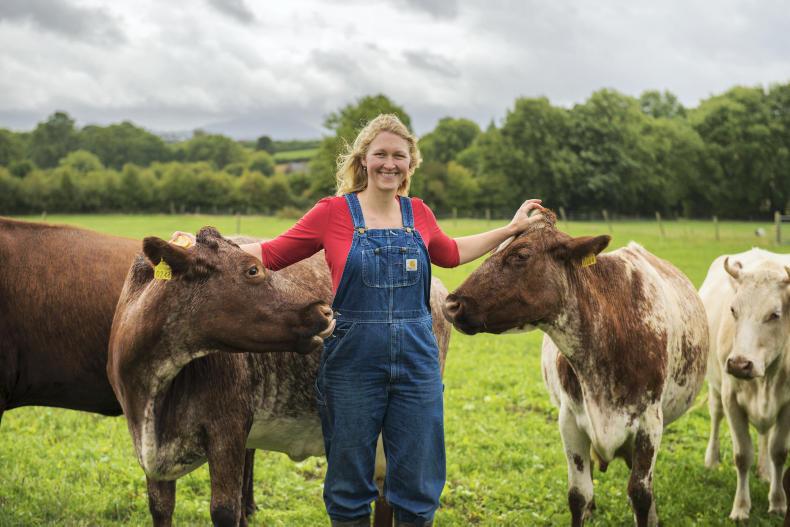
(380,374)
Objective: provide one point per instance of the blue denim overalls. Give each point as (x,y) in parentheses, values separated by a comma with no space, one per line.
(380,373)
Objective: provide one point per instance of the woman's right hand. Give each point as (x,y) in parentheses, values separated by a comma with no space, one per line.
(183,239)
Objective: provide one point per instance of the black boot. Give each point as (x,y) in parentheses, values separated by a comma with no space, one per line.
(412,524)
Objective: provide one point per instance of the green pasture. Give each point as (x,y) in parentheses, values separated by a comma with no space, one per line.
(505,460)
(295,155)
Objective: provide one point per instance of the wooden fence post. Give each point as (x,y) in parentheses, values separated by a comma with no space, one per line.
(455,217)
(606,219)
(660,225)
(778,225)
(564,218)
(488,217)
(716,226)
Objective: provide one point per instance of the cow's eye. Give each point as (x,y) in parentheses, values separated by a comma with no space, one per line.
(253,271)
(773,316)
(521,256)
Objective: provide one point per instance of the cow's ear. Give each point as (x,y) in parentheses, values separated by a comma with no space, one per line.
(578,250)
(156,250)
(734,270)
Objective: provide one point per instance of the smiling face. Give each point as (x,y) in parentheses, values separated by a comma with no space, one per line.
(387,162)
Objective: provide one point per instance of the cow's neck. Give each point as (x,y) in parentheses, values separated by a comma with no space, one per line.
(592,326)
(569,326)
(162,349)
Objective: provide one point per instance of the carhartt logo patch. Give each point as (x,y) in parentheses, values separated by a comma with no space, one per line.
(411,264)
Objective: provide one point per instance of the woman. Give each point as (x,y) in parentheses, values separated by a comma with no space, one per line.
(379,371)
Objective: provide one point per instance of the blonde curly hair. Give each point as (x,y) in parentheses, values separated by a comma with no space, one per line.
(351,175)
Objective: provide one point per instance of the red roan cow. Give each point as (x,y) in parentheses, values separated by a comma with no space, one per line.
(624,351)
(185,400)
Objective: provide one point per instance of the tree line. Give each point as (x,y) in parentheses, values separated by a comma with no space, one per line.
(729,156)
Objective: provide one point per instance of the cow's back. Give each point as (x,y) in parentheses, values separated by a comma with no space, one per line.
(58,290)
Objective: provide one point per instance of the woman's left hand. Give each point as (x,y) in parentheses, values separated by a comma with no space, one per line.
(522,220)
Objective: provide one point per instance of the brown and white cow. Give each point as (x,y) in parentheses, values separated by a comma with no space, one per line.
(747,298)
(187,404)
(624,351)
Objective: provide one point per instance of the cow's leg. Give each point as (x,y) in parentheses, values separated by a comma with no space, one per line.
(577,452)
(161,501)
(763,467)
(226,457)
(786,485)
(640,484)
(247,492)
(777,448)
(743,455)
(712,457)
(382,512)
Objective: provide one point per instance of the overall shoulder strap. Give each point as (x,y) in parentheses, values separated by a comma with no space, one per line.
(406,212)
(356,211)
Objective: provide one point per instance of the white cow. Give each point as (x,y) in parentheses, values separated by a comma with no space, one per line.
(747,300)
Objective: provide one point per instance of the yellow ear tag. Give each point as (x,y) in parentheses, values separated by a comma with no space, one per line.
(162,271)
(588,260)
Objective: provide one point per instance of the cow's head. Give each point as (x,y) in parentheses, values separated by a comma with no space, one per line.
(222,297)
(761,312)
(519,286)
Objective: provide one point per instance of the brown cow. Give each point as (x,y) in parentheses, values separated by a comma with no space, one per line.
(184,402)
(58,290)
(624,351)
(59,286)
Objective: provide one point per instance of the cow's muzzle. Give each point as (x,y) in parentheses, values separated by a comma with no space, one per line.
(456,311)
(742,368)
(320,324)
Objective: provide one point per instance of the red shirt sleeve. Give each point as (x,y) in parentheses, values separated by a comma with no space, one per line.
(300,241)
(442,249)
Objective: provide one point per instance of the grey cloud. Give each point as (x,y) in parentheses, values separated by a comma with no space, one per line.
(333,62)
(432,62)
(74,22)
(436,8)
(235,9)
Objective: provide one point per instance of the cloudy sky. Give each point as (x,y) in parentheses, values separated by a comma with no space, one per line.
(247,68)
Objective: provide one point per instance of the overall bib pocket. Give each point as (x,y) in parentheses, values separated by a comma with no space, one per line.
(391,266)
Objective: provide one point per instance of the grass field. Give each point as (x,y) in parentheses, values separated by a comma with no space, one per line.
(295,155)
(505,460)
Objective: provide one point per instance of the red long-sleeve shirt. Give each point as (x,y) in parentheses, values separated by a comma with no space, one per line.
(328,225)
